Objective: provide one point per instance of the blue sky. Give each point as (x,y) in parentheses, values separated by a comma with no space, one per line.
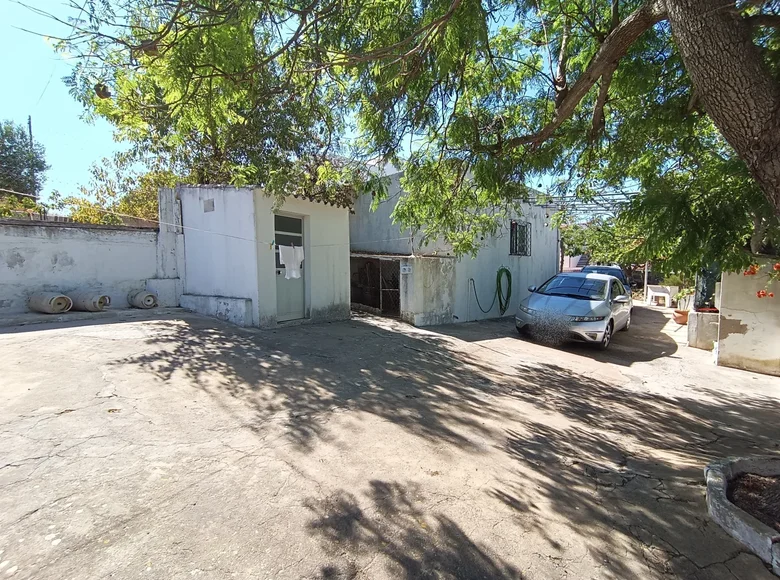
(32,73)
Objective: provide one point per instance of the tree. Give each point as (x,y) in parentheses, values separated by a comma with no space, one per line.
(205,104)
(703,210)
(489,94)
(606,240)
(22,162)
(117,190)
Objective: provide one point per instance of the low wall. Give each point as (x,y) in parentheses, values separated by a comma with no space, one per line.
(427,290)
(62,257)
(749,330)
(702,329)
(234,310)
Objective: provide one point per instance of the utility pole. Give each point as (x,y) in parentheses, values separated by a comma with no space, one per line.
(647,268)
(32,158)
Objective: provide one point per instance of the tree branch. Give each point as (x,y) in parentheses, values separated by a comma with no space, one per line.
(597,121)
(615,15)
(561,88)
(768,20)
(615,47)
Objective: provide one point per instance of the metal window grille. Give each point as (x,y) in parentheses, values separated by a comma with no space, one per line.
(519,238)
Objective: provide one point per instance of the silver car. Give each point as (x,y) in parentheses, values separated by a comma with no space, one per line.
(576,306)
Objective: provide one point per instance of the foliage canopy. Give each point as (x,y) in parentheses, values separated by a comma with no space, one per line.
(474,99)
(22,162)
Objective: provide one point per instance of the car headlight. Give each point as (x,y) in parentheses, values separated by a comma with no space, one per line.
(587,318)
(526,309)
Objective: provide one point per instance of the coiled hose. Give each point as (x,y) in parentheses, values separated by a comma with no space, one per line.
(503,300)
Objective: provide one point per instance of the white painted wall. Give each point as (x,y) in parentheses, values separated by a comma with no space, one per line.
(228,251)
(526,271)
(374,231)
(570,263)
(220,253)
(749,329)
(428,292)
(326,262)
(52,256)
(438,290)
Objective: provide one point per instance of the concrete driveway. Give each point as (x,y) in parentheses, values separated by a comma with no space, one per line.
(168,445)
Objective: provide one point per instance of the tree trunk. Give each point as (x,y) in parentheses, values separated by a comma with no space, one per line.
(736,90)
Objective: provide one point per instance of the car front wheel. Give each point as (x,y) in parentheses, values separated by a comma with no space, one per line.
(607,338)
(628,322)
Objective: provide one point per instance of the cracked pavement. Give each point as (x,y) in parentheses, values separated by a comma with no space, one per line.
(168,445)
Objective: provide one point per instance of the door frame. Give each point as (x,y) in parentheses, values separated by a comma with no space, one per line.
(306,271)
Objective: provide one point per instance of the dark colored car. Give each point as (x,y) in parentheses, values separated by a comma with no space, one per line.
(615,271)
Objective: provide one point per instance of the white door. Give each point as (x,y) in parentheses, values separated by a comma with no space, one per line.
(290,297)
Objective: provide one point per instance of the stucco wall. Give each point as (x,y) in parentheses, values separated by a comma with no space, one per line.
(428,291)
(526,270)
(326,263)
(374,231)
(749,331)
(228,251)
(448,296)
(219,242)
(51,256)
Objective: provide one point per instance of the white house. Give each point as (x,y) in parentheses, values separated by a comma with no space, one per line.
(391,274)
(231,256)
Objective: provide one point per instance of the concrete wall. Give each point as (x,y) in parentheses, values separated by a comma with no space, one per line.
(570,263)
(228,251)
(326,263)
(703,329)
(428,290)
(749,330)
(438,289)
(375,232)
(219,242)
(50,256)
(526,271)
(168,284)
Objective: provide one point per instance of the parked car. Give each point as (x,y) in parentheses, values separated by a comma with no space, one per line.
(615,271)
(576,306)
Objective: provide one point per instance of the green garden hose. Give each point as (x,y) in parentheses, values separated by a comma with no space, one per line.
(503,301)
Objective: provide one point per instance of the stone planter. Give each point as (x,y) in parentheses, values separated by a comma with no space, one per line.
(759,538)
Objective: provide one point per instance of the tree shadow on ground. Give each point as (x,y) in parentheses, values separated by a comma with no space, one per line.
(624,468)
(644,342)
(408,540)
(299,376)
(617,467)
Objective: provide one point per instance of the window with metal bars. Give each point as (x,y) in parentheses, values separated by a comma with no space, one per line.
(519,238)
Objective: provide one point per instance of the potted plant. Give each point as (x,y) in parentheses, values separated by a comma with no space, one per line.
(683,299)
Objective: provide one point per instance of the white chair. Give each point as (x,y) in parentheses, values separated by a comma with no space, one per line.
(655,294)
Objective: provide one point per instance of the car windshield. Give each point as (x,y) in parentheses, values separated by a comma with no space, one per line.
(575,287)
(617,273)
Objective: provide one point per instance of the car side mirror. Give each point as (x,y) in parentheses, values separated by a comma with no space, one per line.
(622,299)
(532,289)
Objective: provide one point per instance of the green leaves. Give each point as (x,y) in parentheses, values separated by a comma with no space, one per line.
(22,163)
(117,190)
(203,89)
(472,99)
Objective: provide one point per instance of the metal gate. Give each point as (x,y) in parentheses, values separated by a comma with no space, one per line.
(376,284)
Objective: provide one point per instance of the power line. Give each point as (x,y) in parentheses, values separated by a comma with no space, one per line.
(18,193)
